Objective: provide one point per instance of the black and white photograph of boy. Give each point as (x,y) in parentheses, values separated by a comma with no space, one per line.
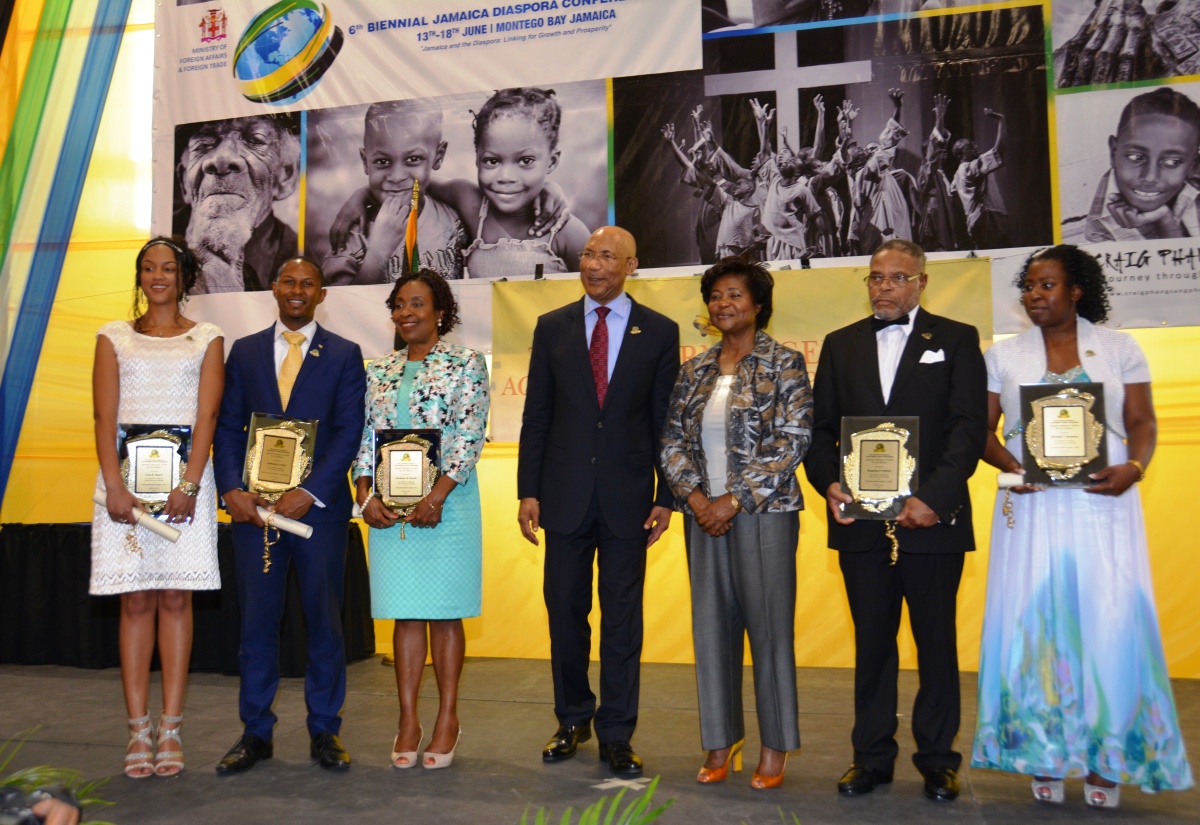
(1128,163)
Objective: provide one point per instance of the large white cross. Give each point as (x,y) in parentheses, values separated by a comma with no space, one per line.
(614,783)
(785,79)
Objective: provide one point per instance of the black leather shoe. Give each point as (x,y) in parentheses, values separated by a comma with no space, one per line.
(328,750)
(941,784)
(860,779)
(244,753)
(565,742)
(621,759)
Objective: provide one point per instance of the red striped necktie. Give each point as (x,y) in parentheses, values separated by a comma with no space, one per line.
(598,353)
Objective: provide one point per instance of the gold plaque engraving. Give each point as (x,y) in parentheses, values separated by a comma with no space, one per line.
(279,459)
(405,474)
(153,464)
(1063,433)
(878,467)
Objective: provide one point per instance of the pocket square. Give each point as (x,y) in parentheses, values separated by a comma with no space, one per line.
(933,356)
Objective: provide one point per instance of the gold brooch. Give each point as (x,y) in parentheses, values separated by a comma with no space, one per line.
(635,331)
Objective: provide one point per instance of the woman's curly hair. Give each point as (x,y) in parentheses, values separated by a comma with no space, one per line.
(1084,271)
(443,296)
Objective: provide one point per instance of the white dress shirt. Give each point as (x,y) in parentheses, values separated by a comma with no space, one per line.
(890,342)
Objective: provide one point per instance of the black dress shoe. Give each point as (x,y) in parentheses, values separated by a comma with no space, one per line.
(565,742)
(941,784)
(860,779)
(328,750)
(621,759)
(244,753)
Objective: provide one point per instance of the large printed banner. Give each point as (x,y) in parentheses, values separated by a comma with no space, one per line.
(302,126)
(787,131)
(809,304)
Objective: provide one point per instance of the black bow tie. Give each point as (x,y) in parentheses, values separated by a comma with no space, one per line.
(879,323)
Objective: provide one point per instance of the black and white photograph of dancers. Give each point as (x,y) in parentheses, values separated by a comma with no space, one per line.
(758,156)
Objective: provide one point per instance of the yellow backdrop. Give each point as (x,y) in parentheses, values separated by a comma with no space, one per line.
(55,465)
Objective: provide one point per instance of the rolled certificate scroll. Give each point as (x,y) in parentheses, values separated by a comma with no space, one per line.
(1006,480)
(143,518)
(287,525)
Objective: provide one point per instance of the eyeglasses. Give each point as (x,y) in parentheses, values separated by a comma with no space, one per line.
(894,280)
(605,257)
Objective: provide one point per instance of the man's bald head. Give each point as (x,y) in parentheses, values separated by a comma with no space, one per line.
(609,257)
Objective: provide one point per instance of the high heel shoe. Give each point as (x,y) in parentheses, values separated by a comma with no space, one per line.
(1098,796)
(169,763)
(433,761)
(1048,790)
(138,761)
(763,783)
(708,775)
(403,760)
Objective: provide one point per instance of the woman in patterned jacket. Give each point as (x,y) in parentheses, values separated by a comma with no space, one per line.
(429,578)
(737,428)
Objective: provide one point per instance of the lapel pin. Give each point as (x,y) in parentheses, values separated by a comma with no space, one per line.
(926,335)
(1090,354)
(635,331)
(315,353)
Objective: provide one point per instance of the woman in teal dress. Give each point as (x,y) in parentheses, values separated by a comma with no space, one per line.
(428,577)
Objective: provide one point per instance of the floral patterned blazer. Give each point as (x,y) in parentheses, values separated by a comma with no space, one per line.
(450,393)
(769,427)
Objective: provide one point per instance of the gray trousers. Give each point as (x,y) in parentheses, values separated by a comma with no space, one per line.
(745,582)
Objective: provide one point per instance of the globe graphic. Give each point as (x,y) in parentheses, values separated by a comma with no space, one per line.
(276,37)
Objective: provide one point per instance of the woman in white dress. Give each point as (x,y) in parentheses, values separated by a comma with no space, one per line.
(1072,678)
(160,368)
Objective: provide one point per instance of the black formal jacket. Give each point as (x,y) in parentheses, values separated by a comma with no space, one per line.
(949,396)
(570,448)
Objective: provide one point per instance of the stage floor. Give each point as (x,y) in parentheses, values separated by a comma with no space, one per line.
(506,713)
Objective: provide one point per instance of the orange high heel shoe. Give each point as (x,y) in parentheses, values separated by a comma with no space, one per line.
(764,783)
(708,775)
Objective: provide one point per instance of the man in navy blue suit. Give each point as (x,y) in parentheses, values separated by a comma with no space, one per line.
(322,379)
(601,372)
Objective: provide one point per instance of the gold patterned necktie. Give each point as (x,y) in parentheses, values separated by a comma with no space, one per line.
(290,367)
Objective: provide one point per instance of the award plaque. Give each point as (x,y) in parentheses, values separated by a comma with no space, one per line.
(879,464)
(278,454)
(1064,433)
(153,460)
(406,466)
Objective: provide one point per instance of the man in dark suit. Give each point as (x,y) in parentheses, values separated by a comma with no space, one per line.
(600,375)
(295,368)
(903,361)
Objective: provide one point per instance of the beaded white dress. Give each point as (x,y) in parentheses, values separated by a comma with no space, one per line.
(160,384)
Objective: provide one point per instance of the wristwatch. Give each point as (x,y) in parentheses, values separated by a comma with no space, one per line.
(188,488)
(737,505)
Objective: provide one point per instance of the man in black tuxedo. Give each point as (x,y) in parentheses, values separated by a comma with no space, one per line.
(296,368)
(903,361)
(601,372)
